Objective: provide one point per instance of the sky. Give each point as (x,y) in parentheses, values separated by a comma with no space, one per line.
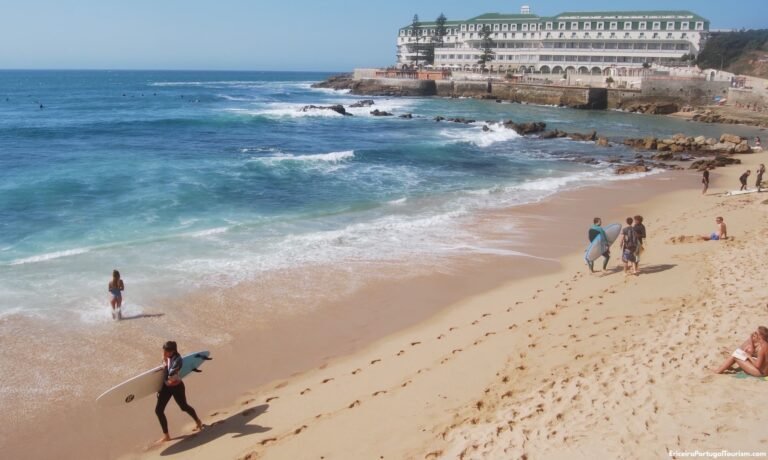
(322,35)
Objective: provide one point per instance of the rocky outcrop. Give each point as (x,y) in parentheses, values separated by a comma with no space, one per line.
(583,137)
(406,115)
(553,134)
(526,128)
(602,142)
(631,169)
(342,81)
(380,113)
(679,143)
(363,103)
(719,160)
(338,108)
(655,108)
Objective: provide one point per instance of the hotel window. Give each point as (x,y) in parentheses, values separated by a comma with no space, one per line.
(655,35)
(549,26)
(561,35)
(560,26)
(525,26)
(431,31)
(613,35)
(656,25)
(670,25)
(463,27)
(684,25)
(599,35)
(699,26)
(402,33)
(614,25)
(600,26)
(549,35)
(587,26)
(684,35)
(586,34)
(410,32)
(669,35)
(505,27)
(626,34)
(513,27)
(471,27)
(574,26)
(495,27)
(641,25)
(627,26)
(642,34)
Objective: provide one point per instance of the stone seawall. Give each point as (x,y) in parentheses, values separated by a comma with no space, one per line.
(568,96)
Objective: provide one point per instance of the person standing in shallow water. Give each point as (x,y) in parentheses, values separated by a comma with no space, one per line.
(116,288)
(173,386)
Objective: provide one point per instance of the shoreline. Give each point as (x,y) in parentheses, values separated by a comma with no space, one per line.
(443,392)
(426,296)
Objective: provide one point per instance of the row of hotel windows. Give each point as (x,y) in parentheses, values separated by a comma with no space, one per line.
(614,25)
(546,58)
(504,35)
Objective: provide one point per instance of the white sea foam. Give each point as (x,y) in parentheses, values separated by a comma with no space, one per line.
(332,157)
(477,136)
(398,201)
(50,256)
(208,232)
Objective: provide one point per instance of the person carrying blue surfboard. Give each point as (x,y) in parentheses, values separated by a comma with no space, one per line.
(594,231)
(173,387)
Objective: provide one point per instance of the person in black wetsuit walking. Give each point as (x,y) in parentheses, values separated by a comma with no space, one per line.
(172,387)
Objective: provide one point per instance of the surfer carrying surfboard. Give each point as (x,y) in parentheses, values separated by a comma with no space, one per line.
(594,231)
(173,386)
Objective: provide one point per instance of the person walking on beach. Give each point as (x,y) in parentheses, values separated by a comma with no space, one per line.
(629,245)
(116,288)
(752,356)
(595,230)
(759,180)
(640,232)
(173,386)
(705,180)
(743,179)
(720,233)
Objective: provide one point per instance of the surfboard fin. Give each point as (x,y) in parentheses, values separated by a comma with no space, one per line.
(196,370)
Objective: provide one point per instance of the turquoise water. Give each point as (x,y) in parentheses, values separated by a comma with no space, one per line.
(185,180)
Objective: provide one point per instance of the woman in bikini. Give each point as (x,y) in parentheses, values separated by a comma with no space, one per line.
(756,350)
(116,288)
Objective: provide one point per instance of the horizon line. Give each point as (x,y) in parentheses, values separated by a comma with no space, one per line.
(76,69)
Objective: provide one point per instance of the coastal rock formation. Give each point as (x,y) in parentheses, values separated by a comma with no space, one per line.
(525,128)
(583,137)
(342,81)
(679,143)
(553,134)
(630,169)
(658,108)
(602,142)
(380,113)
(363,103)
(406,115)
(719,160)
(338,108)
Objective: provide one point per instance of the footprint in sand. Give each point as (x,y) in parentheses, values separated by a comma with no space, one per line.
(375,361)
(452,328)
(267,441)
(512,326)
(485,315)
(413,344)
(406,383)
(440,337)
(327,380)
(246,402)
(488,334)
(305,391)
(401,352)
(381,392)
(458,350)
(272,398)
(355,403)
(356,371)
(475,322)
(300,429)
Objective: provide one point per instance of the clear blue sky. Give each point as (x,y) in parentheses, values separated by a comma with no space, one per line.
(332,35)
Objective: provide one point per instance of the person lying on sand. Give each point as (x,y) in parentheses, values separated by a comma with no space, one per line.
(752,356)
(720,233)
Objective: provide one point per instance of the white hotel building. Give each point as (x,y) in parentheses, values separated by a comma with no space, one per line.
(600,42)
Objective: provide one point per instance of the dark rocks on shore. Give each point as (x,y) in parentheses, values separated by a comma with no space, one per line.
(342,81)
(657,108)
(338,108)
(602,142)
(526,128)
(630,169)
(718,161)
(380,113)
(553,134)
(439,118)
(680,143)
(406,115)
(363,103)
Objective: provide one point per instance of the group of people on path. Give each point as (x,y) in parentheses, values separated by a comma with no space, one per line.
(631,243)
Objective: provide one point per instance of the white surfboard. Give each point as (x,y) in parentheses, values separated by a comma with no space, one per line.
(149,382)
(740,192)
(593,250)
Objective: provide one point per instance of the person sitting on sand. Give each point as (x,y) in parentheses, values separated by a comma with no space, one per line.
(629,243)
(173,386)
(720,233)
(752,356)
(595,230)
(743,179)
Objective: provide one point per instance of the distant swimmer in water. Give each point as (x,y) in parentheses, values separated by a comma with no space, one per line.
(116,288)
(41,106)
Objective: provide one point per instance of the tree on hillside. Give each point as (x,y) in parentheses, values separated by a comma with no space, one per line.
(487,45)
(416,32)
(723,49)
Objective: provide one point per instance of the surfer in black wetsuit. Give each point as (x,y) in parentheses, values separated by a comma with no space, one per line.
(594,231)
(172,386)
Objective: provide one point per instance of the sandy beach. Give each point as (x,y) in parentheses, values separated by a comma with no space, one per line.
(504,356)
(559,364)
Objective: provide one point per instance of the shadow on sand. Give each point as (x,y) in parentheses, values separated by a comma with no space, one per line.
(237,424)
(649,269)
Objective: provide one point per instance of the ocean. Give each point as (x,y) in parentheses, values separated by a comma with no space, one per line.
(196,180)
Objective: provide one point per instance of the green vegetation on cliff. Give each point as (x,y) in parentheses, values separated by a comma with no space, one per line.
(744,52)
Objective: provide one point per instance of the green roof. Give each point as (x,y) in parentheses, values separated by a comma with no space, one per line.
(502,17)
(633,13)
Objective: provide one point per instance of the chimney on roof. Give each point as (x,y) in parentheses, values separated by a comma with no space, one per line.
(525,9)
